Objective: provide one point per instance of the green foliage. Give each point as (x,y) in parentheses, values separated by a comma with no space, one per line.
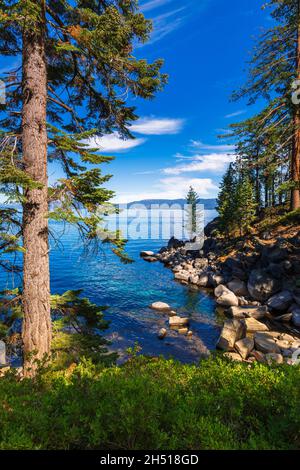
(91,70)
(236,202)
(154,404)
(226,201)
(265,142)
(77,326)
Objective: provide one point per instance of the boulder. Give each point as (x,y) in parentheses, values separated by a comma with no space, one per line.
(211,227)
(161,307)
(274,358)
(221,290)
(194,279)
(280,302)
(182,276)
(247,311)
(183,331)
(261,285)
(258,356)
(286,318)
(203,280)
(162,333)
(238,287)
(145,254)
(174,243)
(150,259)
(228,300)
(296,317)
(254,325)
(233,356)
(265,343)
(244,347)
(178,321)
(233,331)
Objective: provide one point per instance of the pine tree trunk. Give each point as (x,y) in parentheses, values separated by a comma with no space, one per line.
(36,285)
(295,165)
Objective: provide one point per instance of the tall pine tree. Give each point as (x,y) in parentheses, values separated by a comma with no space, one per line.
(77,68)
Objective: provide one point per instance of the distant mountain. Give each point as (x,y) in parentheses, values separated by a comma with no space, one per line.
(209,204)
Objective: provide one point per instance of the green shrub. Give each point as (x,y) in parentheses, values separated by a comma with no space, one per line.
(153,404)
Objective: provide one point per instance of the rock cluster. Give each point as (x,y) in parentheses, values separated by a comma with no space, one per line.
(257,285)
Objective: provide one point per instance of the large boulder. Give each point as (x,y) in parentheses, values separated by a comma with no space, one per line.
(274,358)
(280,302)
(228,299)
(253,325)
(233,331)
(221,290)
(265,343)
(182,276)
(238,287)
(296,316)
(249,312)
(161,307)
(244,347)
(211,227)
(203,280)
(261,285)
(174,243)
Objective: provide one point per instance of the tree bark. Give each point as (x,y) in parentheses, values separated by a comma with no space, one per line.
(295,164)
(36,277)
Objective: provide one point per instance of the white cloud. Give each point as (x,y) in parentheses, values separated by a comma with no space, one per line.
(236,113)
(172,188)
(213,162)
(152,126)
(150,5)
(196,144)
(114,143)
(166,24)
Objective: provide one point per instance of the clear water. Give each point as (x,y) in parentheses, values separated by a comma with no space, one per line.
(128,290)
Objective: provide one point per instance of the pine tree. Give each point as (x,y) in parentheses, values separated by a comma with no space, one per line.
(245,205)
(77,69)
(192,200)
(226,201)
(274,68)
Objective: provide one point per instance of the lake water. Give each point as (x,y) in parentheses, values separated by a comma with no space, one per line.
(128,290)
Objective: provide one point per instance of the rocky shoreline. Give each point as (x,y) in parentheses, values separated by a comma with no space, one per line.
(255,281)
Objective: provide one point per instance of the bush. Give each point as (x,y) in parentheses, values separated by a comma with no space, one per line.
(153,404)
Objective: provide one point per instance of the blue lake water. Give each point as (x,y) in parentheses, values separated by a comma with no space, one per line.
(128,290)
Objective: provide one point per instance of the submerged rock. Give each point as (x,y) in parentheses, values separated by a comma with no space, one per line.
(145,254)
(162,333)
(161,307)
(178,321)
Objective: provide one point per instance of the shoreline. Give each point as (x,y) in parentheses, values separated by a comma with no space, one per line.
(255,282)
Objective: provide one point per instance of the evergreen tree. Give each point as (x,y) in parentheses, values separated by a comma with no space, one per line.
(274,68)
(226,201)
(245,205)
(77,69)
(192,199)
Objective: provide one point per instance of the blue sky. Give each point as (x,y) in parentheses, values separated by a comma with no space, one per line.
(205,45)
